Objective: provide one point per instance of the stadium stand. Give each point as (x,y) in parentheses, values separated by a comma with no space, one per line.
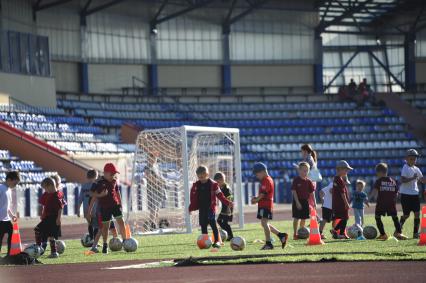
(364,136)
(30,172)
(418,101)
(71,134)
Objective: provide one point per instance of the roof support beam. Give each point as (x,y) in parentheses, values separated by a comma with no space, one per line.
(106,5)
(256,5)
(190,8)
(39,5)
(348,13)
(352,15)
(158,13)
(388,72)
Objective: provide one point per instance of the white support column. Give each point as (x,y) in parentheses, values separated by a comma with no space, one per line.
(20,201)
(124,198)
(33,201)
(186,188)
(71,198)
(239,185)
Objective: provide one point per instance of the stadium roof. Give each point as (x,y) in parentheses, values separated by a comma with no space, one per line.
(378,16)
(357,16)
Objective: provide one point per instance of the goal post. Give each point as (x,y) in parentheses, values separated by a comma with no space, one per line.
(164,167)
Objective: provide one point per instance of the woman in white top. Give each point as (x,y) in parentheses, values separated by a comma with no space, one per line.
(309,155)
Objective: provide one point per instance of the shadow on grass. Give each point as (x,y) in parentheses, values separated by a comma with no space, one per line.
(258,258)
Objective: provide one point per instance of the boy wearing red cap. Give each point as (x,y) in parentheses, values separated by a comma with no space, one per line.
(109,202)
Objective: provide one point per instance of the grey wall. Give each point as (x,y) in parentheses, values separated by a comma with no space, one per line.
(36,91)
(189,76)
(272,75)
(109,78)
(66,76)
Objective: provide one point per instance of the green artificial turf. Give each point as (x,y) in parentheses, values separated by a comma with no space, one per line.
(182,246)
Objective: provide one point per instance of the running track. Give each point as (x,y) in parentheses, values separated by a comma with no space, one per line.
(346,272)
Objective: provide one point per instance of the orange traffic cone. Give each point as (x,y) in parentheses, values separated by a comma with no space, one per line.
(15,247)
(314,234)
(422,241)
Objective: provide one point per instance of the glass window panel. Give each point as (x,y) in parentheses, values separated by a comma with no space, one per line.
(24,53)
(4,48)
(15,62)
(34,63)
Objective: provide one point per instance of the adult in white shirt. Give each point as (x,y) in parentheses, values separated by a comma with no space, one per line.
(6,213)
(409,190)
(327,212)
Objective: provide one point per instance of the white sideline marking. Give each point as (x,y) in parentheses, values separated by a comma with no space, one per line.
(142,265)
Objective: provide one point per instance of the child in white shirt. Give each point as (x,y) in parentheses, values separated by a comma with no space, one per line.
(409,190)
(6,213)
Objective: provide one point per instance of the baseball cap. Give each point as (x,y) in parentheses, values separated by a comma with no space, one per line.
(343,164)
(110,167)
(412,152)
(259,167)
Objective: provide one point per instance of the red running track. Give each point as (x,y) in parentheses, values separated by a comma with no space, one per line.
(339,272)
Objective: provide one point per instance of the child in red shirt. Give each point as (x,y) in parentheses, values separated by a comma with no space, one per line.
(58,185)
(109,202)
(302,190)
(204,194)
(340,201)
(265,205)
(53,202)
(386,191)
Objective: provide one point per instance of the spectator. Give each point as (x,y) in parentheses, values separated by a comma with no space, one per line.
(343,94)
(364,92)
(352,88)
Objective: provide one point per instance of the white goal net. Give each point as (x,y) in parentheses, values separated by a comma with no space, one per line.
(164,168)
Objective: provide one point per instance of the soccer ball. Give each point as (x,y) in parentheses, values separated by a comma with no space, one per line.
(130,245)
(60,247)
(115,244)
(354,231)
(370,232)
(86,241)
(204,241)
(238,243)
(34,251)
(303,233)
(223,235)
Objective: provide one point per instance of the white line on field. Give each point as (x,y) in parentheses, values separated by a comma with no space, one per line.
(142,265)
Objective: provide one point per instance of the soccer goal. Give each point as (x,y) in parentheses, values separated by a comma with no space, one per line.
(164,169)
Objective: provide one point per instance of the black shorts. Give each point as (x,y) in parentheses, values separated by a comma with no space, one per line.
(205,217)
(410,203)
(386,212)
(108,212)
(48,228)
(327,214)
(264,213)
(224,217)
(304,212)
(6,227)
